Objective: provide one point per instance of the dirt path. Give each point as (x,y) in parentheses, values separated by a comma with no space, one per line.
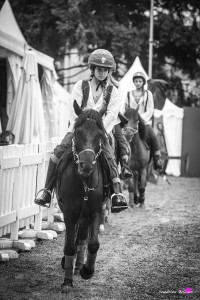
(144,254)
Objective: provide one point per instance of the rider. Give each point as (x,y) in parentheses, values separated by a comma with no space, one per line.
(142,99)
(124,151)
(101,63)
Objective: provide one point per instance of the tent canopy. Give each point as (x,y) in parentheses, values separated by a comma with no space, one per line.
(54,100)
(12,38)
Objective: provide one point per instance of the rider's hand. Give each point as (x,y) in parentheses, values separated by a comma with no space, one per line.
(125,158)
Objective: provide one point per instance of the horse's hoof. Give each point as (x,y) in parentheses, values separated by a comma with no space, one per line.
(63,263)
(77,269)
(76,272)
(85,273)
(142,205)
(67,286)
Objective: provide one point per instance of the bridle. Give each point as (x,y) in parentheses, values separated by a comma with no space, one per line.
(133,130)
(77,155)
(86,188)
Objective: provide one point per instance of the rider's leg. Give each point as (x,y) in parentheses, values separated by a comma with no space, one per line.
(123,151)
(154,146)
(118,200)
(45,198)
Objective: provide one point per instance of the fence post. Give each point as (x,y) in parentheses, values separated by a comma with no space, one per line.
(40,184)
(17,194)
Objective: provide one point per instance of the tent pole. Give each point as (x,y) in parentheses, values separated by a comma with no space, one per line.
(151,40)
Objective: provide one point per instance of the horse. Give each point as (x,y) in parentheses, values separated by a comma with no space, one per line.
(139,158)
(80,193)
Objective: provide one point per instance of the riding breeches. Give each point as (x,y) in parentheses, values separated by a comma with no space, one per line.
(107,150)
(151,139)
(64,145)
(124,149)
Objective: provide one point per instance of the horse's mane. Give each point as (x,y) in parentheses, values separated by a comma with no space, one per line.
(141,128)
(95,120)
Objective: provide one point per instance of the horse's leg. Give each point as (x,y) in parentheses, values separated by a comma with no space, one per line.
(108,208)
(135,187)
(93,246)
(142,187)
(131,192)
(69,251)
(81,247)
(103,217)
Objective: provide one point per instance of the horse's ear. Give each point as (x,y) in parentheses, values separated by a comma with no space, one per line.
(126,107)
(78,110)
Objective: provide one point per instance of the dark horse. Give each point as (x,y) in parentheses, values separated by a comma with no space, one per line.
(81,195)
(139,158)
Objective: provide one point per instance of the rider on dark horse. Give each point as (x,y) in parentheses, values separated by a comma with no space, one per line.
(142,99)
(102,95)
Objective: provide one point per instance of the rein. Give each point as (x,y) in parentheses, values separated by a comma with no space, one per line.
(86,188)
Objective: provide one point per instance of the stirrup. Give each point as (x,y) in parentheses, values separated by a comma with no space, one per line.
(44,205)
(122,204)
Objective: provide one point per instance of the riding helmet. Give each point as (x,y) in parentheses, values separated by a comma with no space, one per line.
(139,75)
(102,58)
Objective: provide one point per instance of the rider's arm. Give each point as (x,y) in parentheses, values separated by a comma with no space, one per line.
(112,111)
(148,101)
(77,95)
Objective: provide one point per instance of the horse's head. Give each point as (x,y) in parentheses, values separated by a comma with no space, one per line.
(131,128)
(89,135)
(135,125)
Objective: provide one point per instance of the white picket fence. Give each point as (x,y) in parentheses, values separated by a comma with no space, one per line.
(22,174)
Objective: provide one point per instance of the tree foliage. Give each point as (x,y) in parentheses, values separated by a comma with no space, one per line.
(121,26)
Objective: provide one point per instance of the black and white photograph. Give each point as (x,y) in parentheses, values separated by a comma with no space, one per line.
(99,149)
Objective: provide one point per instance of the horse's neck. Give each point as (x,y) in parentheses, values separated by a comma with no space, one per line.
(137,144)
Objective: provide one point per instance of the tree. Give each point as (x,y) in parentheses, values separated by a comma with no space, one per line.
(121,26)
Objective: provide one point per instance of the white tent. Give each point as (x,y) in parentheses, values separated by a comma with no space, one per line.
(13,48)
(172,116)
(12,39)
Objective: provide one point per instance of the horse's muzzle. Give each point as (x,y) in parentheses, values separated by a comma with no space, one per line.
(129,136)
(84,169)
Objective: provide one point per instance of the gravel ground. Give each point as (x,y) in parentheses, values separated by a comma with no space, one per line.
(151,253)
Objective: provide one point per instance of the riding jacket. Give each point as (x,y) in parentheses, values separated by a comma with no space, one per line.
(145,105)
(110,119)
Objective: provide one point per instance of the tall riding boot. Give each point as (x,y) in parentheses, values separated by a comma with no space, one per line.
(126,172)
(45,198)
(118,201)
(157,163)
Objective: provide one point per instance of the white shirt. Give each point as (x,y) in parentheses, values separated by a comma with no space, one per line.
(111,117)
(144,101)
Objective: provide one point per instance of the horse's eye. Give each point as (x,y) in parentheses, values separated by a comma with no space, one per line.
(78,132)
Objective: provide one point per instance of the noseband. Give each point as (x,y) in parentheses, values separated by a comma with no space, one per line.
(133,130)
(77,155)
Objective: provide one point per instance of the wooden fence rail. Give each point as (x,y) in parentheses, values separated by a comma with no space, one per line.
(22,174)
